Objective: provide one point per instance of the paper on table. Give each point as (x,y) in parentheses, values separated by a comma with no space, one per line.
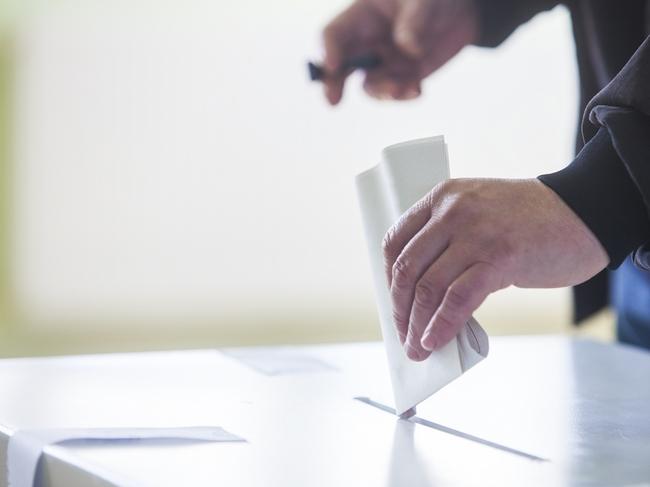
(26,446)
(406,173)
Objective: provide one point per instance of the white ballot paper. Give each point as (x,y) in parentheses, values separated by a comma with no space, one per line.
(26,446)
(406,173)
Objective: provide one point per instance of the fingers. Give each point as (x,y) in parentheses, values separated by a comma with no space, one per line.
(334,40)
(461,299)
(333,86)
(383,87)
(412,41)
(429,293)
(360,30)
(409,224)
(411,264)
(351,33)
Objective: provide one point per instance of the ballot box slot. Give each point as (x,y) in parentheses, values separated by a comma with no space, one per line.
(451,431)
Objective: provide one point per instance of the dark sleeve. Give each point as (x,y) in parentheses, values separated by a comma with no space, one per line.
(499,18)
(608,183)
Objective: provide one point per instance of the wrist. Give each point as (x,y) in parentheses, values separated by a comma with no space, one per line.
(598,188)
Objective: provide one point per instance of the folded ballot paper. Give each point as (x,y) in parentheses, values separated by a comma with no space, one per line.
(406,173)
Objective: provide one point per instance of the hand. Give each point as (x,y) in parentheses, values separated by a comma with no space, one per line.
(468,238)
(412,37)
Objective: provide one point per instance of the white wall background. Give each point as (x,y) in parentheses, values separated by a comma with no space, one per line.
(172,161)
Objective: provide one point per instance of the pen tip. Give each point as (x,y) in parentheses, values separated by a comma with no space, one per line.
(316,72)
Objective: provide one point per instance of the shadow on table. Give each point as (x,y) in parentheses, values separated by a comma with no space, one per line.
(406,466)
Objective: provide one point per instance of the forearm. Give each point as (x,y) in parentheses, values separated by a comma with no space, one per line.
(608,184)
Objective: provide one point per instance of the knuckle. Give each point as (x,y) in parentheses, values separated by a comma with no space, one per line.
(426,202)
(464,206)
(456,299)
(402,273)
(451,214)
(425,293)
(466,201)
(444,187)
(444,323)
(387,243)
(437,193)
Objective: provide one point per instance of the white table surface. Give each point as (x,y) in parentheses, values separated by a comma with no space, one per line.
(582,406)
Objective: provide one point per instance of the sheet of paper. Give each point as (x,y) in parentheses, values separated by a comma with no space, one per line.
(406,173)
(278,360)
(26,446)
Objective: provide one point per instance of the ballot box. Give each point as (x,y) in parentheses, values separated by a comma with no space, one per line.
(537,411)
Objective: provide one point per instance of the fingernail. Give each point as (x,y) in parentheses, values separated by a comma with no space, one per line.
(428,341)
(429,344)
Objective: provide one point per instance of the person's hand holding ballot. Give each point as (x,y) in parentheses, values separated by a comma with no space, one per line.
(471,237)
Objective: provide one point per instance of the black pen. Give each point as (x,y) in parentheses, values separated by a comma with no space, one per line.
(367,62)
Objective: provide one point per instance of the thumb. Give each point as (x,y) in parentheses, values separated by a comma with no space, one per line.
(410,23)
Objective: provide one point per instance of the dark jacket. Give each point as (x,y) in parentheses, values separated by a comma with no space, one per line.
(608,183)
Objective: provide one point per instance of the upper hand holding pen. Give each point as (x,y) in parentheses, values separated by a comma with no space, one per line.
(470,237)
(413,38)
